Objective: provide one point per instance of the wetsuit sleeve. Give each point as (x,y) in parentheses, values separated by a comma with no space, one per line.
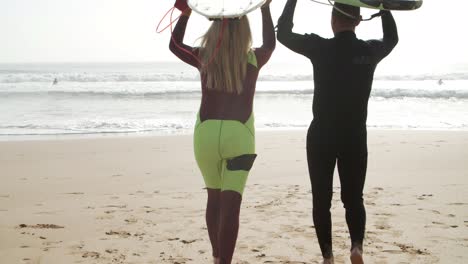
(381,48)
(184,52)
(263,53)
(302,44)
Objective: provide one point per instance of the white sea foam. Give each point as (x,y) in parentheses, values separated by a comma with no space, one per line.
(48,77)
(163,99)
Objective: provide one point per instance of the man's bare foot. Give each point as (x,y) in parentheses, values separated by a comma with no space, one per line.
(328,261)
(356,256)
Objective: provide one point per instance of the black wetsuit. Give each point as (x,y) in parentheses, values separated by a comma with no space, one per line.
(343,73)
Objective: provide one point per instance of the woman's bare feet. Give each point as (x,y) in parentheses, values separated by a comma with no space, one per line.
(328,260)
(356,256)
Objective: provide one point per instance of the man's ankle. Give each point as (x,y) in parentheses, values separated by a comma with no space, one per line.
(328,260)
(356,246)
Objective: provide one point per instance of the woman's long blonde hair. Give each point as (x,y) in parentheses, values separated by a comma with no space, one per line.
(225,67)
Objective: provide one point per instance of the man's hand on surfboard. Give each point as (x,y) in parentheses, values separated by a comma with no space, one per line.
(181,5)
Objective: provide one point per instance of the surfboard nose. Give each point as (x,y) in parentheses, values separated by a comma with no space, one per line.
(385,4)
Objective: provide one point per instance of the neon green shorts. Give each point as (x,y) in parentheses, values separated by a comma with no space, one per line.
(225,152)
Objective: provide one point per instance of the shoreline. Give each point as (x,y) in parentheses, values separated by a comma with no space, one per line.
(117,135)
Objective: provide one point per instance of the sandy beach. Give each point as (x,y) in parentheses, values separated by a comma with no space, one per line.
(141,200)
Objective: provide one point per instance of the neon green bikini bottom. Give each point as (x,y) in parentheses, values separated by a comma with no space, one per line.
(225,152)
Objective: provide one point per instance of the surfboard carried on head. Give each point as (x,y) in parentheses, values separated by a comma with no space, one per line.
(384,4)
(216,9)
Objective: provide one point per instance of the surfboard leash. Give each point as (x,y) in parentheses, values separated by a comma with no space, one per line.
(170,12)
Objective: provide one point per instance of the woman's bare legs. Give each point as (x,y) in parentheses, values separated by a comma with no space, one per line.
(228,225)
(212,220)
(222,220)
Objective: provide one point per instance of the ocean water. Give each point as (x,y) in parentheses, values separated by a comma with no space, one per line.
(163,98)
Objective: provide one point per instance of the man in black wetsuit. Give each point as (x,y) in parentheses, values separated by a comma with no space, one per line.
(343,73)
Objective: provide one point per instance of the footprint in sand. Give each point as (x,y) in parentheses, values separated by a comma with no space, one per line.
(77,248)
(440,224)
(147,209)
(108,215)
(184,196)
(424,196)
(114,256)
(290,229)
(384,214)
(111,251)
(32,261)
(47,213)
(50,243)
(456,204)
(410,249)
(284,260)
(91,254)
(429,210)
(273,235)
(116,206)
(122,234)
(188,241)
(274,202)
(179,260)
(41,226)
(131,220)
(255,250)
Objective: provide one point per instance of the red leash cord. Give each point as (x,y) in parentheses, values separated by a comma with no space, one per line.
(218,44)
(170,24)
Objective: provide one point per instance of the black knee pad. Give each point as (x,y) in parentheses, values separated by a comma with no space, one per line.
(243,162)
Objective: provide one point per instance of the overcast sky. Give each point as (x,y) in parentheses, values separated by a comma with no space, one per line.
(432,39)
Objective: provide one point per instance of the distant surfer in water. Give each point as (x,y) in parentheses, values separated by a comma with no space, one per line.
(224,136)
(55,82)
(343,73)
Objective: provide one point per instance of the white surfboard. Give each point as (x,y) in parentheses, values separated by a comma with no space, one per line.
(224,8)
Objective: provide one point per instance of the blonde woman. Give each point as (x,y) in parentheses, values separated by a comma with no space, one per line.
(224,136)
